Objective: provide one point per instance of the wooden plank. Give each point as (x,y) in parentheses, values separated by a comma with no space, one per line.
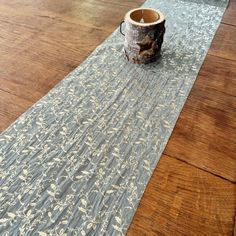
(30,73)
(6,121)
(20,90)
(234,227)
(183,200)
(219,74)
(57,46)
(224,42)
(230,16)
(69,11)
(205,134)
(8,103)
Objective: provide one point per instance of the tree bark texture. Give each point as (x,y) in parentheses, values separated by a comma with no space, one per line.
(143,41)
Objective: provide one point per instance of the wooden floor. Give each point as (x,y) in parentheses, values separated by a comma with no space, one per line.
(192,191)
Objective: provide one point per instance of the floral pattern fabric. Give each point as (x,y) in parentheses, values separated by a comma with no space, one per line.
(78,161)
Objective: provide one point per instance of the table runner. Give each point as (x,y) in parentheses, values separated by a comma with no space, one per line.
(78,161)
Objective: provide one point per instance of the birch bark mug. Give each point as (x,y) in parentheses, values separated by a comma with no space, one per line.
(144,32)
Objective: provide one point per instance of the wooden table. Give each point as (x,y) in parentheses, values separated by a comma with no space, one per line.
(192,191)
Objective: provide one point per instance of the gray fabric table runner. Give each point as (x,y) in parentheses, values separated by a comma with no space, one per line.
(78,161)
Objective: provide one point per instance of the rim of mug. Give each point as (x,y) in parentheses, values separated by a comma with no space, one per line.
(160,19)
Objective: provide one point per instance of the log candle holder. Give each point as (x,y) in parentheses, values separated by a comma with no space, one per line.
(144,32)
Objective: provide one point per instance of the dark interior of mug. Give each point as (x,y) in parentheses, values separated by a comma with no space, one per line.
(144,16)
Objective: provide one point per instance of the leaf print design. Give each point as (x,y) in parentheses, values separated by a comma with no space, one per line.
(3,220)
(11,215)
(78,161)
(118,220)
(40,233)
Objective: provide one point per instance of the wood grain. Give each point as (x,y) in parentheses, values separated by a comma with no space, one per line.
(75,12)
(183,200)
(224,42)
(7,103)
(190,193)
(230,16)
(205,134)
